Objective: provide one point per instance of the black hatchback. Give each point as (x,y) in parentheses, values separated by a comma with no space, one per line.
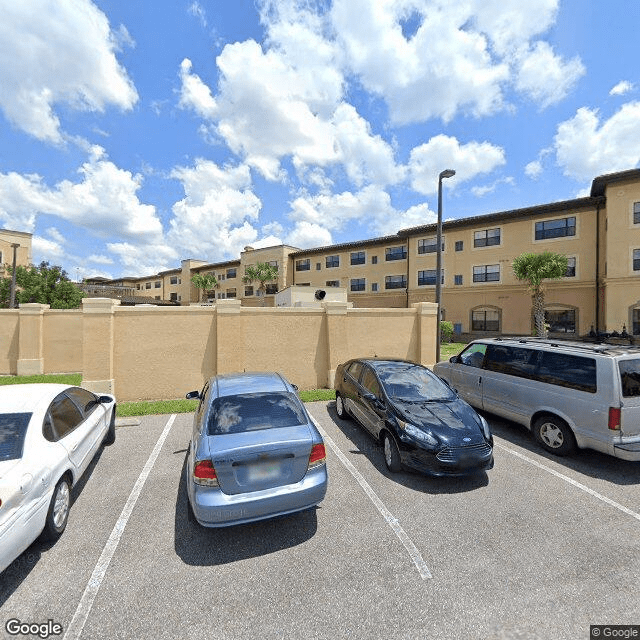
(417,418)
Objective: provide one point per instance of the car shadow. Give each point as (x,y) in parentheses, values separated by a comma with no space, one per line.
(586,462)
(201,546)
(366,446)
(13,576)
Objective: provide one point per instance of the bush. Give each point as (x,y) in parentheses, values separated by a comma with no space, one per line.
(446,331)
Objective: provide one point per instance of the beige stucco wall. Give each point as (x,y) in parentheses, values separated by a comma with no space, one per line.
(9,341)
(62,341)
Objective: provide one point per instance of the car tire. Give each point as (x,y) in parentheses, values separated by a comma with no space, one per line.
(58,512)
(341,409)
(110,438)
(554,435)
(391,453)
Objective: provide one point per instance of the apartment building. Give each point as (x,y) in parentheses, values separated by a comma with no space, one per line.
(599,234)
(10,240)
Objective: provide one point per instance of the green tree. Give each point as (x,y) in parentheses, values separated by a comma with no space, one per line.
(204,282)
(44,284)
(262,273)
(534,268)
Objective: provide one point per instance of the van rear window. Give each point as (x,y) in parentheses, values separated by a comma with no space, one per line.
(630,377)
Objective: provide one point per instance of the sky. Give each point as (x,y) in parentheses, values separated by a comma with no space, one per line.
(137,134)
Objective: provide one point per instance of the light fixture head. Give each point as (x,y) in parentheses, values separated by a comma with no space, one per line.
(447,173)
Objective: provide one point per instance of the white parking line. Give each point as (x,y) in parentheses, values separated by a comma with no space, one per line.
(76,626)
(582,487)
(386,514)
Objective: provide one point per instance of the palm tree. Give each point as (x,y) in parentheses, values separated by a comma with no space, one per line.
(534,268)
(262,273)
(204,282)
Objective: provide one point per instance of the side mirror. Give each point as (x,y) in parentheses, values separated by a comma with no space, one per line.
(193,395)
(295,386)
(105,399)
(455,360)
(370,397)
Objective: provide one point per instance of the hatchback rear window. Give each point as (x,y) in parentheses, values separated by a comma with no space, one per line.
(630,377)
(13,429)
(254,412)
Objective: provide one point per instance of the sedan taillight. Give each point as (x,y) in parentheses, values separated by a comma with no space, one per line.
(318,456)
(205,474)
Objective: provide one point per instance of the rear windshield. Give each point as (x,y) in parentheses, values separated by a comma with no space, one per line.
(255,411)
(630,377)
(13,428)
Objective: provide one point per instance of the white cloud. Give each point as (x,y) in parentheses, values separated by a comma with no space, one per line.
(55,235)
(534,169)
(214,219)
(194,93)
(622,88)
(47,250)
(196,10)
(143,259)
(103,202)
(544,77)
(444,152)
(307,235)
(586,147)
(99,259)
(61,53)
(480,191)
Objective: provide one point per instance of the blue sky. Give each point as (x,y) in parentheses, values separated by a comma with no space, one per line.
(137,134)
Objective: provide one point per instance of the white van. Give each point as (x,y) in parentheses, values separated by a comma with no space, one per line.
(568,393)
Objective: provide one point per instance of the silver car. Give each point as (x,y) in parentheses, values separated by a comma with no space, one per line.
(569,394)
(254,452)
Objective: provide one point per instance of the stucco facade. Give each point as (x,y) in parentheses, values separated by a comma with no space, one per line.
(600,235)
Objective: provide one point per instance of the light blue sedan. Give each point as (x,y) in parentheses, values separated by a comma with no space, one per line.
(255,452)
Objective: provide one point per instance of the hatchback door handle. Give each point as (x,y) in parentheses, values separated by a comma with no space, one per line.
(479,379)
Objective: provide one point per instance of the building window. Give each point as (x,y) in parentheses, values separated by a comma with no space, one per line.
(303,265)
(560,228)
(374,286)
(560,320)
(636,259)
(271,289)
(332,283)
(571,268)
(428,277)
(173,296)
(318,266)
(173,280)
(429,245)
(395,282)
(147,285)
(138,286)
(487,273)
(248,291)
(374,259)
(486,238)
(157,297)
(635,321)
(158,284)
(457,279)
(485,320)
(357,284)
(358,257)
(231,273)
(636,213)
(231,293)
(273,263)
(332,262)
(395,253)
(459,245)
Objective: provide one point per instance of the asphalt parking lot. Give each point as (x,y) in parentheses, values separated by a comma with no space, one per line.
(538,547)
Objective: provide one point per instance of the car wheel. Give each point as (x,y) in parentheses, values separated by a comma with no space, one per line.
(554,435)
(391,453)
(341,409)
(110,438)
(58,513)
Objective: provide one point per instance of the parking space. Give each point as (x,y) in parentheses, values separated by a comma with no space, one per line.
(538,547)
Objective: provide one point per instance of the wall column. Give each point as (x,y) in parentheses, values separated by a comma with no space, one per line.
(230,336)
(426,327)
(30,339)
(337,341)
(98,344)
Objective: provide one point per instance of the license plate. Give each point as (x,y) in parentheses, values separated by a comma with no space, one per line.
(264,471)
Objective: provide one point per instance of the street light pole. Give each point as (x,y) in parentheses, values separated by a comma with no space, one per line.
(447,173)
(12,299)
